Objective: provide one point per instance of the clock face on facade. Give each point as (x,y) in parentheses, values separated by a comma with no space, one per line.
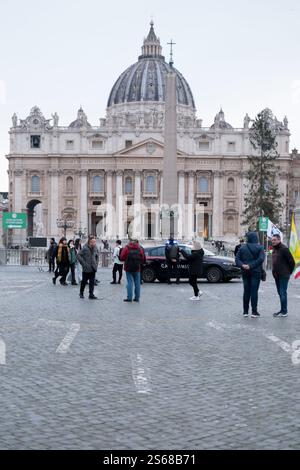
(35,122)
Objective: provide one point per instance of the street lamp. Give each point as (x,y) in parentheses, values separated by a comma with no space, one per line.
(64,223)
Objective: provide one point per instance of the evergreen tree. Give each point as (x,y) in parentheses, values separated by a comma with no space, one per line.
(263,197)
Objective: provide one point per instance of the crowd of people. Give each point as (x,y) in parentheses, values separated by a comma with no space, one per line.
(80,263)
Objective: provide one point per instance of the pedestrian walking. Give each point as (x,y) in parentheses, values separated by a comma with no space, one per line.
(62,255)
(73,260)
(236,249)
(195,260)
(78,268)
(283,265)
(172,257)
(50,254)
(250,258)
(118,264)
(133,256)
(88,257)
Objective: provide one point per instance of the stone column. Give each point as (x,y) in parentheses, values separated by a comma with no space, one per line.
(189,217)
(110,230)
(170,192)
(19,235)
(84,199)
(181,204)
(217,229)
(119,204)
(137,213)
(54,202)
(17,191)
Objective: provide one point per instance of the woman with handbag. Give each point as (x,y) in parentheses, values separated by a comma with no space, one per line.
(250,258)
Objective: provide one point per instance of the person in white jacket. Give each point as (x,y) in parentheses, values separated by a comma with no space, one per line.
(118,265)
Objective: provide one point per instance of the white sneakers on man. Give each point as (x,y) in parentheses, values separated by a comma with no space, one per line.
(196,297)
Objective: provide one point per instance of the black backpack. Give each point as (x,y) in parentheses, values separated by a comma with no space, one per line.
(134,260)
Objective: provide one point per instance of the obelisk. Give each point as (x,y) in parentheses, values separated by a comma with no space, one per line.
(170,184)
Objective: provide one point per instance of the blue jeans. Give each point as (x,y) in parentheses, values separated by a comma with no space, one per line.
(251,286)
(282,285)
(133,278)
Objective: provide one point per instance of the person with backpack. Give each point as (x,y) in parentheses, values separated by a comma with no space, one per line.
(195,260)
(118,265)
(172,257)
(73,260)
(250,258)
(133,256)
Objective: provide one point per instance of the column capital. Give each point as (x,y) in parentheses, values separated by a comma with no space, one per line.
(119,172)
(218,173)
(18,172)
(191,173)
(83,172)
(137,173)
(181,173)
(109,173)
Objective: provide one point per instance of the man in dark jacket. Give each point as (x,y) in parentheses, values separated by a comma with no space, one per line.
(195,260)
(250,258)
(134,256)
(50,254)
(236,249)
(283,265)
(88,257)
(172,257)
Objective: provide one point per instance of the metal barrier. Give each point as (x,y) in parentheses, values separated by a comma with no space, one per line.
(24,257)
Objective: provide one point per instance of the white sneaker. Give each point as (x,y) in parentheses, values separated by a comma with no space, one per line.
(195,298)
(200,293)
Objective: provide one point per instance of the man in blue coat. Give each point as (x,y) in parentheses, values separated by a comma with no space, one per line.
(250,258)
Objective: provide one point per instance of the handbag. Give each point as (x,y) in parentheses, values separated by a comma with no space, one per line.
(263,276)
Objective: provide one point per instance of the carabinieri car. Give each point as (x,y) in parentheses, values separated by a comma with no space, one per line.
(215,268)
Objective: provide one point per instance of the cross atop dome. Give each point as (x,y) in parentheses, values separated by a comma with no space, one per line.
(151,46)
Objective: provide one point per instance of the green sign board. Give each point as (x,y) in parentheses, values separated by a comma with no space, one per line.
(14,220)
(263,224)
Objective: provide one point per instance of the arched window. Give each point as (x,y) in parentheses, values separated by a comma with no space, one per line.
(128,185)
(230,185)
(98,184)
(150,184)
(203,185)
(69,184)
(35,184)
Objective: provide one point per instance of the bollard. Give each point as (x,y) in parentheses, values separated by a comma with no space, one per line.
(104,255)
(25,257)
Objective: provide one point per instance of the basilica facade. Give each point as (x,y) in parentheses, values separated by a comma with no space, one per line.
(99,178)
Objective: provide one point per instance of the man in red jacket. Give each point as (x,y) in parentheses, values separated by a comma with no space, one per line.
(134,256)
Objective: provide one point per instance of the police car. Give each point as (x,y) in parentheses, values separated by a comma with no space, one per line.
(215,268)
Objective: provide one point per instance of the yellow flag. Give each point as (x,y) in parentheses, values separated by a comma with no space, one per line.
(294,242)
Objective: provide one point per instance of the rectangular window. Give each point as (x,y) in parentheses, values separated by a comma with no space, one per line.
(128,143)
(96,203)
(203,145)
(97,144)
(296,194)
(35,141)
(230,146)
(69,144)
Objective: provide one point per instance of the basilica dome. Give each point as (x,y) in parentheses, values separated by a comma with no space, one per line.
(145,80)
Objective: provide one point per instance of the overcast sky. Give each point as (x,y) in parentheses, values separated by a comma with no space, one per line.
(58,55)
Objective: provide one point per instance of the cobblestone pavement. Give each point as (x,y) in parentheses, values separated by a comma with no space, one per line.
(166,373)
